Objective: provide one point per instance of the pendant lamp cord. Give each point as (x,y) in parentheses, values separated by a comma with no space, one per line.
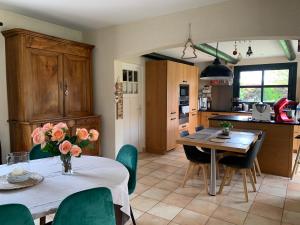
(217,49)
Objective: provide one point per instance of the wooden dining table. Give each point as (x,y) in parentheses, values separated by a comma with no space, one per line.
(239,141)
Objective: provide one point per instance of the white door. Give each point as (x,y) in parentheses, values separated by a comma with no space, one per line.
(132,113)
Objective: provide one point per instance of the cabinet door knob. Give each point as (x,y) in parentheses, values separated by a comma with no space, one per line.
(66,92)
(173,112)
(173,118)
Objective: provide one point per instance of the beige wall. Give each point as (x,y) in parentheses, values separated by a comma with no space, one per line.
(13,20)
(232,20)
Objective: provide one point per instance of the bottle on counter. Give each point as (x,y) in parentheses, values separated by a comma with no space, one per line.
(209,103)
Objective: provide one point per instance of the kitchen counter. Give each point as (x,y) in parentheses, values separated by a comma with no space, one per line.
(276,155)
(247,119)
(223,111)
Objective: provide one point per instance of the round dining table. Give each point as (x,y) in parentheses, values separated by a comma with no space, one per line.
(88,172)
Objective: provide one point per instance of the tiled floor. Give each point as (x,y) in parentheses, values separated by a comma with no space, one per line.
(159,198)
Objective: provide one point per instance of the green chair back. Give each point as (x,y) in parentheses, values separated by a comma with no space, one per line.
(15,214)
(37,153)
(89,207)
(128,156)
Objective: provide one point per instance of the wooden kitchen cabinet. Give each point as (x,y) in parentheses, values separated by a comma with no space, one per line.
(193,121)
(49,79)
(162,103)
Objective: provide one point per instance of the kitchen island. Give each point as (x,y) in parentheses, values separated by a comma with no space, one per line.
(276,155)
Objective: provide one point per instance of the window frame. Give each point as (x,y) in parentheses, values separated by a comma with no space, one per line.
(292,82)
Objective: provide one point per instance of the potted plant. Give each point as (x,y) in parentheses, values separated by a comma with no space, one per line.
(57,140)
(226,127)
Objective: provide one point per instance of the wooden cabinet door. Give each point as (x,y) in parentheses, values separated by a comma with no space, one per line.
(193,122)
(44,82)
(173,69)
(77,86)
(193,82)
(89,123)
(172,132)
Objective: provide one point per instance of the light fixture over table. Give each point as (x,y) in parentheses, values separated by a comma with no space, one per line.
(189,44)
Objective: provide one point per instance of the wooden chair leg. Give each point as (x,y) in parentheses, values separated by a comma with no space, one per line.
(204,171)
(257,166)
(132,216)
(226,173)
(243,172)
(43,220)
(251,179)
(232,172)
(189,170)
(295,168)
(254,173)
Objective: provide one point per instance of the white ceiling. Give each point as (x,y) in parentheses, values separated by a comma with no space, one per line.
(94,14)
(260,48)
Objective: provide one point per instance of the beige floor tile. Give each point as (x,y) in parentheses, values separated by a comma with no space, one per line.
(239,193)
(145,170)
(148,219)
(188,191)
(154,165)
(165,211)
(267,211)
(141,188)
(177,200)
(214,199)
(160,174)
(294,195)
(167,185)
(149,180)
(143,162)
(142,203)
(291,217)
(268,189)
(137,213)
(237,203)
(213,221)
(292,205)
(294,187)
(203,207)
(187,217)
(156,193)
(170,169)
(133,195)
(230,215)
(259,220)
(270,199)
(176,178)
(172,223)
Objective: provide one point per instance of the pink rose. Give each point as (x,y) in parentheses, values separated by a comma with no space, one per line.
(94,134)
(47,127)
(65,147)
(36,131)
(82,133)
(61,125)
(57,134)
(39,138)
(76,151)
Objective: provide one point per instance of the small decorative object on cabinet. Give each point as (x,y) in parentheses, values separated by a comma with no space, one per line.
(49,79)
(57,140)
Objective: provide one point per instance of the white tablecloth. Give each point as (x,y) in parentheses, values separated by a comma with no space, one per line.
(89,172)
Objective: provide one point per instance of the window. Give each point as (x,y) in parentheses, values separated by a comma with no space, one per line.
(265,83)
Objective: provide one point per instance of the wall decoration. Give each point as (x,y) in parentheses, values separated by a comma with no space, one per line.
(119,99)
(130,82)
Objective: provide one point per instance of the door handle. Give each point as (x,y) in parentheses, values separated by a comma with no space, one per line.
(66,90)
(173,118)
(173,112)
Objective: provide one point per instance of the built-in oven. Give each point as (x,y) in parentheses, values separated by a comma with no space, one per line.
(184,103)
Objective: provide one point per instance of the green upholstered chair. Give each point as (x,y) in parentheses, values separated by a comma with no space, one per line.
(15,214)
(90,207)
(128,156)
(37,153)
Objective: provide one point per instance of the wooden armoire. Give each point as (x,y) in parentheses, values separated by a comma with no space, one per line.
(49,79)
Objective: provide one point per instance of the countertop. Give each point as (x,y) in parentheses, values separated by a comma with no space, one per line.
(248,119)
(224,111)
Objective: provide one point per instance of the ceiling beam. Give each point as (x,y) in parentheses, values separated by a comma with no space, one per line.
(288,49)
(212,51)
(158,56)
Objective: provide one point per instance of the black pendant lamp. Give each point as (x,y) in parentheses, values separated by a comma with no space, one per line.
(216,71)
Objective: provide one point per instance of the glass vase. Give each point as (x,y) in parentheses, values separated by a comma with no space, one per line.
(66,164)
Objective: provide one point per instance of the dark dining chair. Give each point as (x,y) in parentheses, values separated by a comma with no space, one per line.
(15,214)
(196,158)
(128,156)
(89,207)
(199,128)
(243,164)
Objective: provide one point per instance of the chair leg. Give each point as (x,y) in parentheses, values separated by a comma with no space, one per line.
(251,179)
(295,168)
(232,172)
(226,173)
(189,170)
(43,220)
(257,166)
(254,173)
(204,171)
(132,217)
(243,172)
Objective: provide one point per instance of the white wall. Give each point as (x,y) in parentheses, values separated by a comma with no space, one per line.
(13,20)
(232,20)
